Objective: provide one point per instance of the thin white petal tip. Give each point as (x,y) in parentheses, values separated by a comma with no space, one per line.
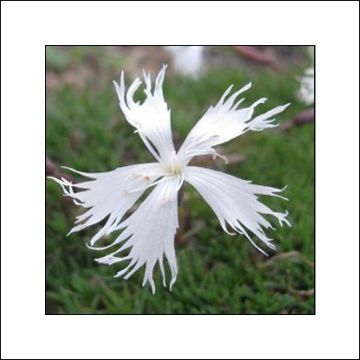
(247,86)
(172,282)
(103,261)
(262,251)
(258,102)
(91,247)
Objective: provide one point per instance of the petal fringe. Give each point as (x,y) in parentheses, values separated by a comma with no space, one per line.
(109,194)
(235,203)
(151,118)
(224,122)
(149,233)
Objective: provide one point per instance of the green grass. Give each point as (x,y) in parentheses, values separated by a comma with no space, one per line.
(218,274)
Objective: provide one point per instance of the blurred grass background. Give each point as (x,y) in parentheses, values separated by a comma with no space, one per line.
(218,274)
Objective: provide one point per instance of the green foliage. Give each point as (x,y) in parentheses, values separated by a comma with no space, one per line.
(218,274)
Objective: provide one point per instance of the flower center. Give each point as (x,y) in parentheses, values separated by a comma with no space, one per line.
(173,166)
(176,168)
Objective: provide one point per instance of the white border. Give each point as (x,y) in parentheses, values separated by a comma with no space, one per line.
(27,27)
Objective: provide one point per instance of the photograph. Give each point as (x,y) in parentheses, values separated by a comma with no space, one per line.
(180,179)
(201,190)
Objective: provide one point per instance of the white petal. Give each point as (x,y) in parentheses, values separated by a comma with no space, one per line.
(235,203)
(265,120)
(149,232)
(109,194)
(151,118)
(224,122)
(187,60)
(307,87)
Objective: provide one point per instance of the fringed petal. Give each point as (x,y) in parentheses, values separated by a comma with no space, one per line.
(149,233)
(224,122)
(235,203)
(151,118)
(109,194)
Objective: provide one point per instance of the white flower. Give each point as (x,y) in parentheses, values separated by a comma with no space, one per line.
(187,60)
(307,84)
(147,235)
